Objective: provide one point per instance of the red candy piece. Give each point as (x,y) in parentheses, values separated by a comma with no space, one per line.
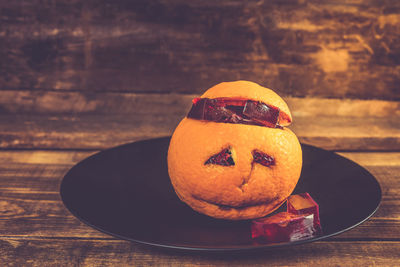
(231,110)
(283,227)
(304,204)
(262,113)
(301,221)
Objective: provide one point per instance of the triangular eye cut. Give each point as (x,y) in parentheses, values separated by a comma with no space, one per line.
(262,158)
(223,158)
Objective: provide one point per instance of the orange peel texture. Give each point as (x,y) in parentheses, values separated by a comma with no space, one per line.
(245,189)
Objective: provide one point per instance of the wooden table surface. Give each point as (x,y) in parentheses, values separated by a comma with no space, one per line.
(41,142)
(79,76)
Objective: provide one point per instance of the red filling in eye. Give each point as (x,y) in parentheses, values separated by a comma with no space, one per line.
(223,158)
(263,159)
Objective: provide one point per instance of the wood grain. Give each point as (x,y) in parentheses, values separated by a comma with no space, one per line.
(29,198)
(97,120)
(99,132)
(106,103)
(370,159)
(40,252)
(301,48)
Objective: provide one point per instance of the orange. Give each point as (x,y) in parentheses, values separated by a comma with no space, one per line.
(246,189)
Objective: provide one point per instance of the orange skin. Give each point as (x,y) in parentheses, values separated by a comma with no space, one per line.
(245,190)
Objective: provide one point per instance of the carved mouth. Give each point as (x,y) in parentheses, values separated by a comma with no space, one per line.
(240,207)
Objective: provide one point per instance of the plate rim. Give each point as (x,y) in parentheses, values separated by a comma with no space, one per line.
(260,246)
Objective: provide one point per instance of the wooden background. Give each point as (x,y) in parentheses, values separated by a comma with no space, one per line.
(80,76)
(303,48)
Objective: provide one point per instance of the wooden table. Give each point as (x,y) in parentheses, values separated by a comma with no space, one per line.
(40,143)
(79,76)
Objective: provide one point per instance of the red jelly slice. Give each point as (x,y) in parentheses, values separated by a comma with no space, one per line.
(262,113)
(304,204)
(230,110)
(283,227)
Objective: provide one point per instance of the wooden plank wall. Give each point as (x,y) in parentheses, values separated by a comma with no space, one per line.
(333,49)
(94,74)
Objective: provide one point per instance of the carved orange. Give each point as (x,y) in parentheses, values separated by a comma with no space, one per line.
(245,189)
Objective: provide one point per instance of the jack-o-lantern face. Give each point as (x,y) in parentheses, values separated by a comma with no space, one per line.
(234,170)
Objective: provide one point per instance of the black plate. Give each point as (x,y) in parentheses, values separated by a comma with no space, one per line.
(125,192)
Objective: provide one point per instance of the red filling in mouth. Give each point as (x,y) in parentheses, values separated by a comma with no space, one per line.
(229,110)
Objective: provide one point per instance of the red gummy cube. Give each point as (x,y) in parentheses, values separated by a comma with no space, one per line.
(304,204)
(283,227)
(301,221)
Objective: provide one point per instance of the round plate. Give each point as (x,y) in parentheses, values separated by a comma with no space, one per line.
(126,192)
